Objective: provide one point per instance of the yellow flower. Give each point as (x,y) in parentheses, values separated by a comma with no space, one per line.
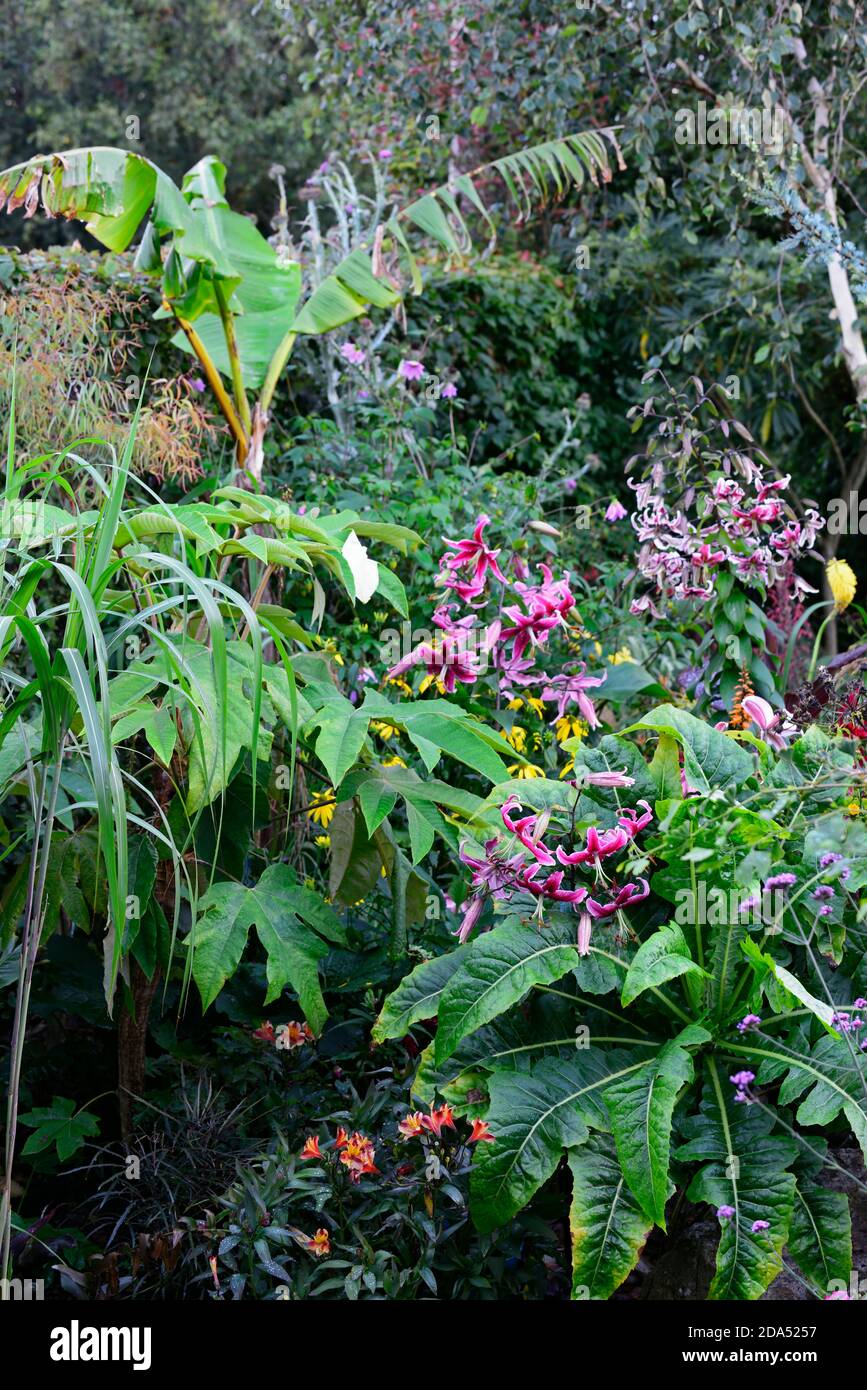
(854,808)
(428,682)
(517,703)
(321,808)
(323,841)
(403,686)
(841,582)
(537,705)
(384,728)
(570,727)
(394,762)
(517,738)
(624,654)
(568,769)
(522,770)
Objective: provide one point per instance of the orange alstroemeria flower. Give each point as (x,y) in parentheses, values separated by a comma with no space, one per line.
(320,1243)
(341,1138)
(412,1125)
(438,1120)
(292,1035)
(265,1032)
(481,1133)
(311,1147)
(358,1156)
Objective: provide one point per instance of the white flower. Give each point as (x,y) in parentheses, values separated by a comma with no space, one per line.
(365,572)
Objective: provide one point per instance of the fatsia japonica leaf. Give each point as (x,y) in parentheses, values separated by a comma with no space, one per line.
(607,1226)
(820,1235)
(744,1168)
(663,956)
(535,1115)
(61,1125)
(294,926)
(499,967)
(417,996)
(710,757)
(641,1106)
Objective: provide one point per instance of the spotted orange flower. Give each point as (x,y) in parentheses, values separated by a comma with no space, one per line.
(412,1125)
(438,1120)
(319,1244)
(311,1147)
(357,1155)
(481,1133)
(341,1138)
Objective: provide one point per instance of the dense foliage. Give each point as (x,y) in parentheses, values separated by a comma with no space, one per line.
(432,844)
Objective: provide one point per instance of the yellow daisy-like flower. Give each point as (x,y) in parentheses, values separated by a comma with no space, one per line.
(842,582)
(517,703)
(854,808)
(525,770)
(567,769)
(624,654)
(321,808)
(536,705)
(570,727)
(394,762)
(384,729)
(323,841)
(517,738)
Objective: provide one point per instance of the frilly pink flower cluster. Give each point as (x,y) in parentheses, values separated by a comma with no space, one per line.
(745,526)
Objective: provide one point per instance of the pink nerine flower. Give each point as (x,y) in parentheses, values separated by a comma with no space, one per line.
(774,729)
(411,370)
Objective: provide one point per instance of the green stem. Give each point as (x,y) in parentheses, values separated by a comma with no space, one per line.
(241,403)
(275,368)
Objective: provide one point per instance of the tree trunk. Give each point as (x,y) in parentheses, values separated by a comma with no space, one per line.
(132,1042)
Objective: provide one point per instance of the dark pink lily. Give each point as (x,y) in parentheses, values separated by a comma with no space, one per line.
(598,847)
(527,830)
(626,896)
(473,552)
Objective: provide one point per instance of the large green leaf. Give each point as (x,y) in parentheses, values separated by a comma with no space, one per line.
(663,956)
(535,1115)
(745,1168)
(417,996)
(710,757)
(497,969)
(608,1227)
(293,925)
(820,1236)
(641,1106)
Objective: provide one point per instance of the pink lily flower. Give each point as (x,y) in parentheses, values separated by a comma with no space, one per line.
(448,660)
(626,896)
(606,779)
(585,926)
(632,822)
(472,911)
(551,886)
(598,847)
(774,729)
(567,690)
(528,832)
(473,552)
